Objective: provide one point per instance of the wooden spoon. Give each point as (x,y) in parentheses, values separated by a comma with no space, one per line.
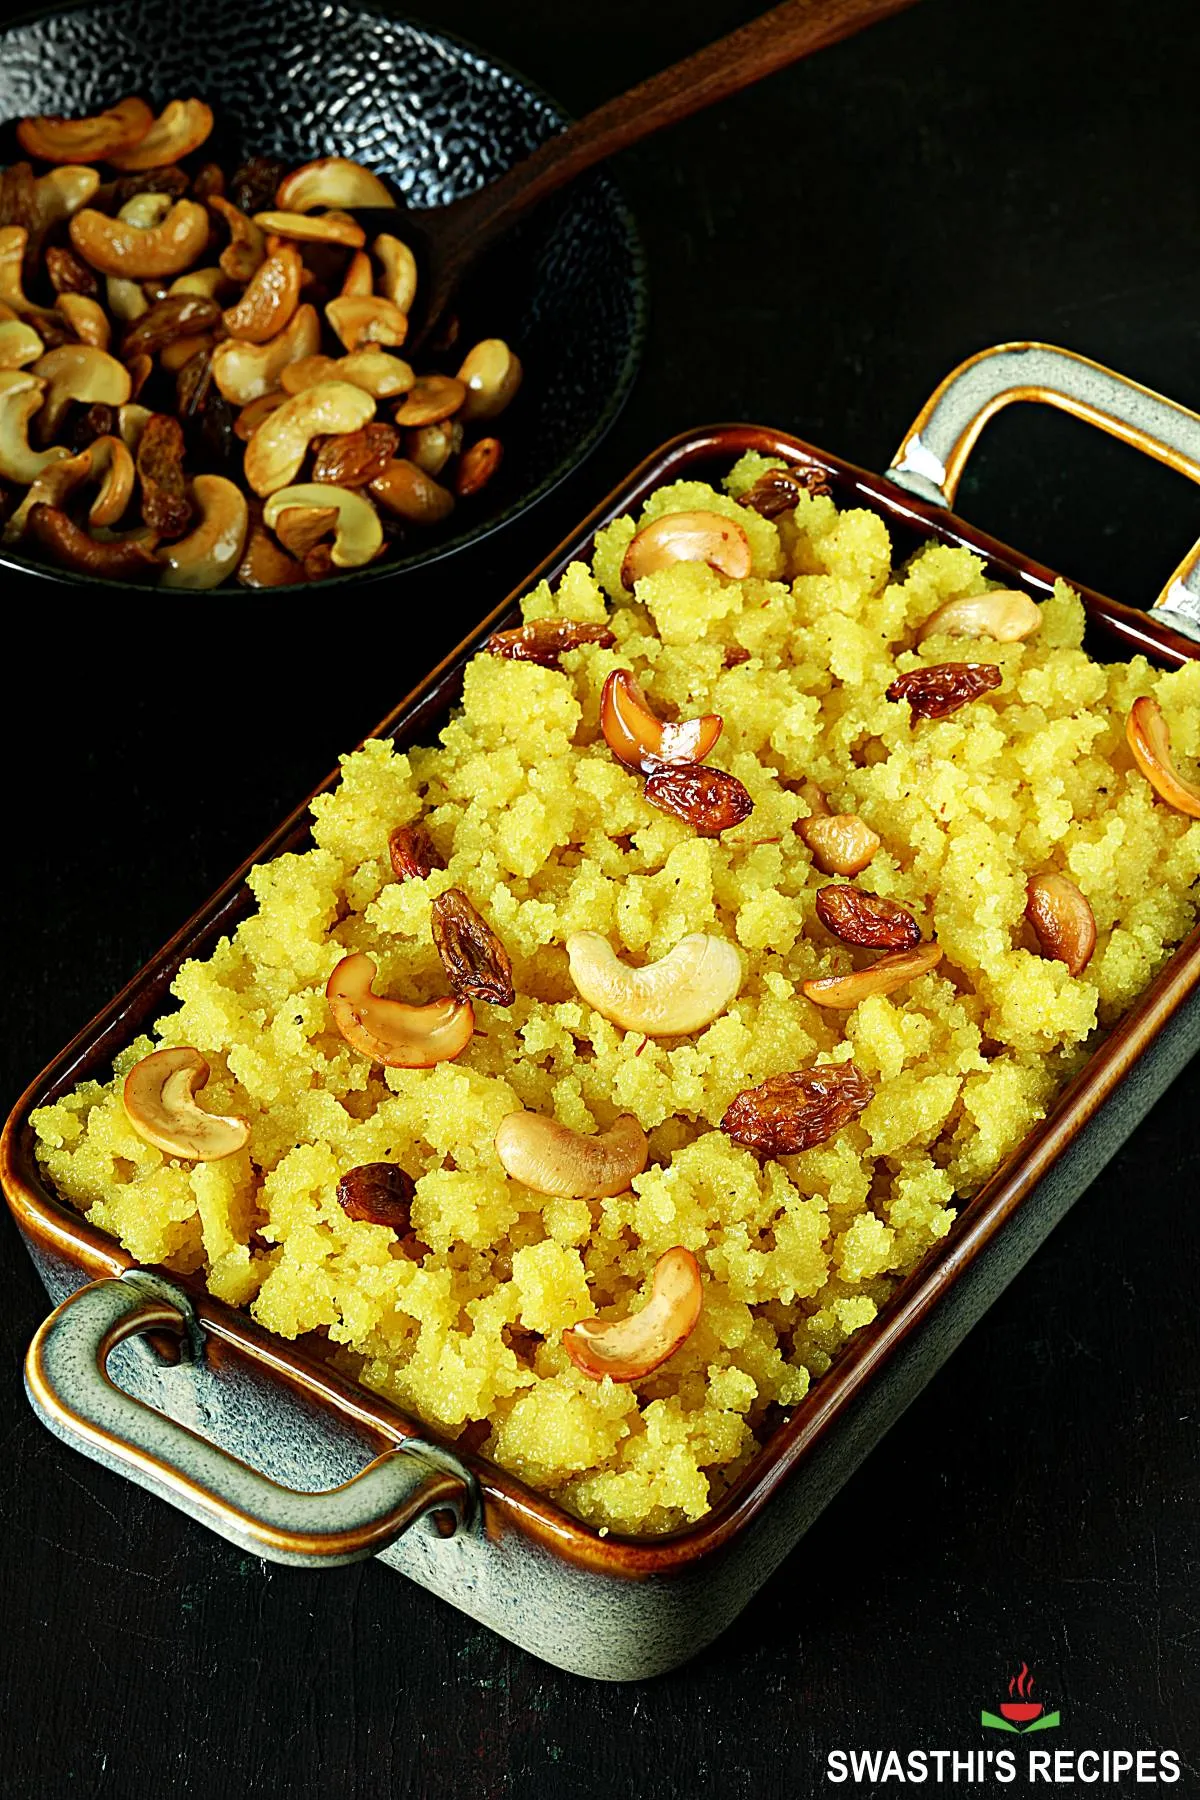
(449,239)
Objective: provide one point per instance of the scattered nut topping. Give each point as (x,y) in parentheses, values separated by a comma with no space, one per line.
(866,920)
(111,559)
(636,735)
(632,1348)
(777,490)
(412,853)
(1150,741)
(937,691)
(688,537)
(682,992)
(95,139)
(378,1193)
(160,1104)
(544,641)
(477,965)
(552,1159)
(895,969)
(390,1032)
(1063,922)
(709,800)
(1004,614)
(789,1113)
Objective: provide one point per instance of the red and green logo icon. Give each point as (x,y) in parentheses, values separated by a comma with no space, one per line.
(1020,1712)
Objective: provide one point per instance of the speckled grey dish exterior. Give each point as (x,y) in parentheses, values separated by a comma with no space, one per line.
(438,119)
(608,1608)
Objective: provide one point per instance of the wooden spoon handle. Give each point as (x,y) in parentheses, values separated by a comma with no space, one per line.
(770,42)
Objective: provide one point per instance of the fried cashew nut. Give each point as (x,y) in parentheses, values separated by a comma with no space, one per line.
(631,1348)
(1004,614)
(279,446)
(160,1104)
(331,181)
(552,1159)
(636,735)
(682,992)
(894,969)
(389,1031)
(358,533)
(213,548)
(705,537)
(1150,740)
(1063,921)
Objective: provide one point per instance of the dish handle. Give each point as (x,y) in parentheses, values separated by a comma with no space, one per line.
(933,455)
(72,1393)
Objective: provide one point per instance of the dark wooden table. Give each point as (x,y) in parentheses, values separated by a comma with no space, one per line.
(821,252)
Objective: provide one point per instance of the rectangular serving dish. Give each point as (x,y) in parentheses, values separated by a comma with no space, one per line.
(233,1399)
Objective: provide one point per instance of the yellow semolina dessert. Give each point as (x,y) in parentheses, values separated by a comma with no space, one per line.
(464,1312)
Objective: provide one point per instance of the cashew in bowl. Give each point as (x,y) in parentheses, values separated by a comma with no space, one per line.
(362,319)
(332,181)
(314,228)
(87,319)
(81,372)
(411,494)
(1005,614)
(248,372)
(359,535)
(247,247)
(160,1104)
(688,537)
(388,1031)
(20,397)
(269,300)
(359,277)
(19,344)
(13,242)
(682,992)
(552,1159)
(119,247)
(894,969)
(636,735)
(1150,741)
(96,139)
(631,1348)
(56,483)
(280,444)
(491,374)
(399,282)
(181,127)
(213,548)
(431,399)
(373,370)
(1063,921)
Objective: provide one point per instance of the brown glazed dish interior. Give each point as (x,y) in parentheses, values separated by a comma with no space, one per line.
(66,1236)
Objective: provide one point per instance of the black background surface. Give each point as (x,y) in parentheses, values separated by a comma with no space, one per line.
(821,252)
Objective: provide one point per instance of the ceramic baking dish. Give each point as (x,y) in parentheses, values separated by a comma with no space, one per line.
(266,1446)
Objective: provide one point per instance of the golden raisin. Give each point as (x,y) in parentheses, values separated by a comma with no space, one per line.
(165,505)
(866,920)
(940,689)
(378,1194)
(413,853)
(476,962)
(709,800)
(353,458)
(792,1112)
(545,640)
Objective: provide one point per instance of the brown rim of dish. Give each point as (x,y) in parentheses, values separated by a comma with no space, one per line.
(62,1232)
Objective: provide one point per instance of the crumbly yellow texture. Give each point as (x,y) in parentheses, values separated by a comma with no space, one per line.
(549,835)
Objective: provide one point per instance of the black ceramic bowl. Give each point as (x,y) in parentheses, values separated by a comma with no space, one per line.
(438,119)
